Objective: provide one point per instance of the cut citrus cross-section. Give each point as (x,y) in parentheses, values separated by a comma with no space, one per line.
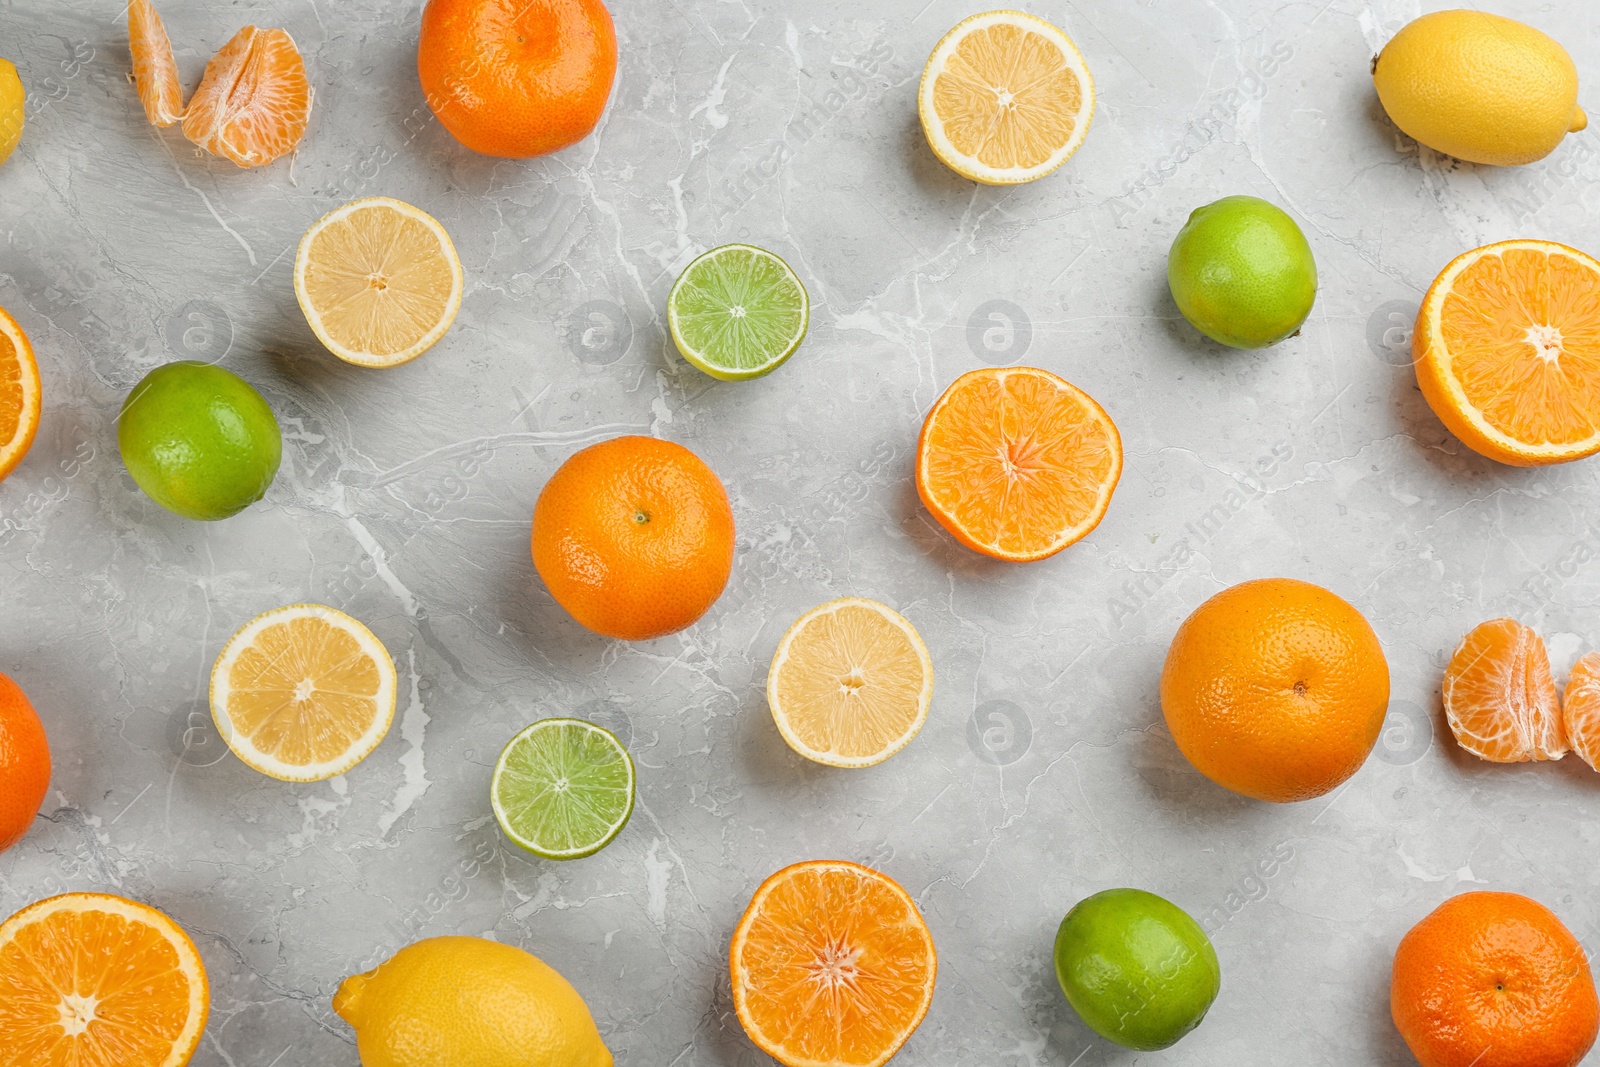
(303,693)
(92,980)
(1507,348)
(254,99)
(1017,463)
(832,966)
(850,684)
(1580,708)
(20,394)
(379,281)
(1006,98)
(1499,697)
(155,73)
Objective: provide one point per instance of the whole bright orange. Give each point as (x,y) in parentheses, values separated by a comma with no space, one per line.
(1493,980)
(1276,689)
(24,763)
(832,966)
(634,537)
(517,78)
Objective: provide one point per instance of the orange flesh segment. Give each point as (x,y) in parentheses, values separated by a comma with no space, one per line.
(1044,94)
(852,685)
(155,73)
(835,966)
(1020,461)
(10,393)
(1580,709)
(271,705)
(1522,328)
(1499,697)
(254,100)
(125,976)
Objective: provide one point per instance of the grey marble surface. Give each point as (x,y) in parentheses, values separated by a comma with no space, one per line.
(1045,772)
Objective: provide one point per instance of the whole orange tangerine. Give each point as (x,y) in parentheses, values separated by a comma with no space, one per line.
(24,763)
(634,537)
(1493,980)
(517,78)
(1276,689)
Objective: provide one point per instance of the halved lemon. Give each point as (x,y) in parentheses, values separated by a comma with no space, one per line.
(1507,349)
(379,281)
(1006,98)
(303,693)
(851,683)
(95,980)
(19,394)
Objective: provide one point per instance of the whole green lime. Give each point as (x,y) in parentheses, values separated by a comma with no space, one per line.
(1242,272)
(1136,968)
(200,440)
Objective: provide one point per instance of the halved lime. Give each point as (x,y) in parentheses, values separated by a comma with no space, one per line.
(737,312)
(563,788)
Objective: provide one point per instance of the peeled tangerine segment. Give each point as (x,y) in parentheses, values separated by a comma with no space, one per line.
(1580,709)
(1499,697)
(155,74)
(254,100)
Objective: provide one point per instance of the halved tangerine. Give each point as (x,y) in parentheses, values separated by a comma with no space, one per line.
(1499,697)
(1580,708)
(93,980)
(833,966)
(1017,463)
(254,99)
(1507,348)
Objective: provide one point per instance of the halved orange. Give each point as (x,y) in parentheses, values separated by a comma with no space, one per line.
(1507,348)
(1005,98)
(254,99)
(303,693)
(1017,463)
(20,394)
(93,980)
(832,965)
(1499,697)
(1580,708)
(155,73)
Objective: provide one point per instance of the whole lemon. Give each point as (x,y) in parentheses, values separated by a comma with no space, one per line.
(1479,87)
(468,1002)
(12,115)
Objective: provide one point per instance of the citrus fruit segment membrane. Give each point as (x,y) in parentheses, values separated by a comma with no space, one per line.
(1007,97)
(851,683)
(303,693)
(379,281)
(19,394)
(1499,697)
(155,73)
(738,311)
(1019,463)
(95,981)
(832,965)
(254,99)
(1580,709)
(563,788)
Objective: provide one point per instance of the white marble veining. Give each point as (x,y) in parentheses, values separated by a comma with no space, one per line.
(1045,772)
